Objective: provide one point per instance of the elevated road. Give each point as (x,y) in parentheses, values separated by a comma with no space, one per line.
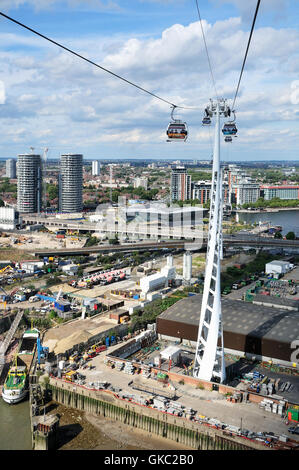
(244,240)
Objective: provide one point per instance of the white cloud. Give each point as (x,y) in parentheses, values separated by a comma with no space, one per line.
(57,96)
(2,92)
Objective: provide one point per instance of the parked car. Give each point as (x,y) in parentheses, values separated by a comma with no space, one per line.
(294,430)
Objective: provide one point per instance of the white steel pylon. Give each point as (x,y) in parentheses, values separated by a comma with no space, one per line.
(209,357)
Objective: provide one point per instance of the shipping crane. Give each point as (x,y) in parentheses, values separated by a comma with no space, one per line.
(42,351)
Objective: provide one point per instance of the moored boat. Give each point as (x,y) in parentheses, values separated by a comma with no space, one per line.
(15,388)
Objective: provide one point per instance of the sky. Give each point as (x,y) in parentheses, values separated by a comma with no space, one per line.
(51,99)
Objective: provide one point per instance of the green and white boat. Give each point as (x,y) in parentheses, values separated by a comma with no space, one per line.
(15,388)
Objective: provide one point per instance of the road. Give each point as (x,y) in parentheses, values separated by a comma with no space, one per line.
(228,240)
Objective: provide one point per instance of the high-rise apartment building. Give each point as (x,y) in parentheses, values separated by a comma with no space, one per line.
(180,185)
(29,170)
(245,192)
(140,183)
(71,183)
(201,190)
(96,168)
(11,168)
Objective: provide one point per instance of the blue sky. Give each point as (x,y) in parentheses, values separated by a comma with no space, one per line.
(49,98)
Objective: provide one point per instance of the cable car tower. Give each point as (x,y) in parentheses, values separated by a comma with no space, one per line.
(209,357)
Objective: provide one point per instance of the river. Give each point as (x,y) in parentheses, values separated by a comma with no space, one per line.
(288,219)
(15,426)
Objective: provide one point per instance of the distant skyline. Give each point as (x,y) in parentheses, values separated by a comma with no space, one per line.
(49,98)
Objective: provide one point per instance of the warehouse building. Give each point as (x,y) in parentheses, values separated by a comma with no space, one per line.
(261,332)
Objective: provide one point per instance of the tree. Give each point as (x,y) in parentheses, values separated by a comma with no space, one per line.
(113,241)
(278,235)
(290,236)
(52,190)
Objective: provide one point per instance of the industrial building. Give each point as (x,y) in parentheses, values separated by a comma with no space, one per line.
(29,169)
(255,330)
(160,279)
(278,267)
(71,183)
(9,218)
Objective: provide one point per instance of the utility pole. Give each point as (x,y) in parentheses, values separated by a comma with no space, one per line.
(209,357)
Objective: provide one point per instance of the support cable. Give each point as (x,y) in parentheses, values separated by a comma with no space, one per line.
(206,48)
(247,48)
(92,63)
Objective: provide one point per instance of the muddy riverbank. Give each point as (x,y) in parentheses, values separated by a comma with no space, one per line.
(85,431)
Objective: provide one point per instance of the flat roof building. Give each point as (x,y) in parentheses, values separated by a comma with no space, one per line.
(260,331)
(282,192)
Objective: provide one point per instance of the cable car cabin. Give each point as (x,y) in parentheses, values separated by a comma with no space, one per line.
(177,130)
(206,121)
(229,129)
(228,138)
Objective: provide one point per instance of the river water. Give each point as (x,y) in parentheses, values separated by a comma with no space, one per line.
(15,426)
(288,219)
(14,419)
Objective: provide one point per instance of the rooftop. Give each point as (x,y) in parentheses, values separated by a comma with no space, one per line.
(240,317)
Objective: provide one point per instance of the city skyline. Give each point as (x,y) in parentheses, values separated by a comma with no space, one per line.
(45,91)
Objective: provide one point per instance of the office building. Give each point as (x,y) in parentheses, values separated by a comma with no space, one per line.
(29,170)
(71,183)
(282,192)
(96,168)
(180,185)
(11,168)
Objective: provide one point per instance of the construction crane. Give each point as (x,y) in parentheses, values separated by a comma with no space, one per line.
(59,294)
(7,296)
(44,178)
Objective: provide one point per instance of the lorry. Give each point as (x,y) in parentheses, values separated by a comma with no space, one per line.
(71,376)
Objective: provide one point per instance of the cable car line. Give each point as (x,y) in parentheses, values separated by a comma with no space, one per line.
(91,62)
(206,47)
(247,48)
